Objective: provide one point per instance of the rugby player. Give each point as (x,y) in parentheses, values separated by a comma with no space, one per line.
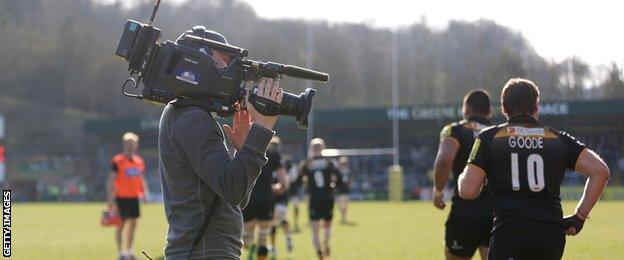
(295,192)
(281,183)
(524,162)
(259,211)
(469,222)
(343,184)
(319,173)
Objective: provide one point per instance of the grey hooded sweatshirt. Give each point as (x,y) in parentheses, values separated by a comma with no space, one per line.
(195,167)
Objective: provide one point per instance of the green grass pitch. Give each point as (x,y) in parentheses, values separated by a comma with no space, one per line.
(383,230)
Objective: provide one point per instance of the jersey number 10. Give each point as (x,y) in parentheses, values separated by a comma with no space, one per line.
(319,179)
(535,172)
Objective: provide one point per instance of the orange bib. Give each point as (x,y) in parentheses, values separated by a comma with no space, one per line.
(129,179)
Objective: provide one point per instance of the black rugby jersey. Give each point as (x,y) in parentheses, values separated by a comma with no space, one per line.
(465,132)
(525,163)
(321,173)
(342,181)
(262,190)
(280,198)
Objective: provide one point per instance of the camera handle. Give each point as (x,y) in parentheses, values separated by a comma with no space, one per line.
(128,94)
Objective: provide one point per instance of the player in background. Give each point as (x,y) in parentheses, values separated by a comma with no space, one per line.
(469,222)
(524,163)
(126,185)
(259,210)
(320,173)
(281,183)
(295,192)
(343,185)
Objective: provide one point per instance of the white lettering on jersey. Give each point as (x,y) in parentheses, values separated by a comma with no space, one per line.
(318,164)
(526,142)
(523,131)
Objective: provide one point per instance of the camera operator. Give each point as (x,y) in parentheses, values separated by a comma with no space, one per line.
(204,188)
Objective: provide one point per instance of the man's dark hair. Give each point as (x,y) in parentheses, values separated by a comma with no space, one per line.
(478,101)
(519,97)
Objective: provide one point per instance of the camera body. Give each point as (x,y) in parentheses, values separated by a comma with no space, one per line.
(168,70)
(189,70)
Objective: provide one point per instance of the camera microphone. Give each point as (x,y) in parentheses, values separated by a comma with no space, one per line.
(303,73)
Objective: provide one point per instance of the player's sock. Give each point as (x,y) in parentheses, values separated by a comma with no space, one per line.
(263,233)
(327,236)
(327,233)
(289,245)
(317,243)
(319,253)
(263,252)
(250,252)
(130,254)
(247,238)
(296,219)
(273,231)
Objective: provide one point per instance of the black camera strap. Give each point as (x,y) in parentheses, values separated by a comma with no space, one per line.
(212,210)
(188,102)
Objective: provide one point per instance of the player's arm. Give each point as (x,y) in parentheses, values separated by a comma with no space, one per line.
(350,181)
(335,173)
(470,182)
(146,191)
(110,184)
(588,164)
(303,172)
(282,175)
(442,167)
(282,182)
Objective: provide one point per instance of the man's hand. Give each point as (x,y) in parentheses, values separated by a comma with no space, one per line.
(438,199)
(573,224)
(277,189)
(241,123)
(270,89)
(146,196)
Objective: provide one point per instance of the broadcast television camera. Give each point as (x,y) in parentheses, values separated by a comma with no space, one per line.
(186,70)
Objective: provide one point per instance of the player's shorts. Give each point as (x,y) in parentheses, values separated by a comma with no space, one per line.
(281,211)
(465,235)
(342,198)
(128,208)
(321,209)
(528,240)
(295,196)
(342,189)
(259,210)
(295,199)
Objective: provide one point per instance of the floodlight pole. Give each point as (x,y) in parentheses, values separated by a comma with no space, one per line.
(395,100)
(309,65)
(395,172)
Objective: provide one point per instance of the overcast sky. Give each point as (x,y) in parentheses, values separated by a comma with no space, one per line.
(592,30)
